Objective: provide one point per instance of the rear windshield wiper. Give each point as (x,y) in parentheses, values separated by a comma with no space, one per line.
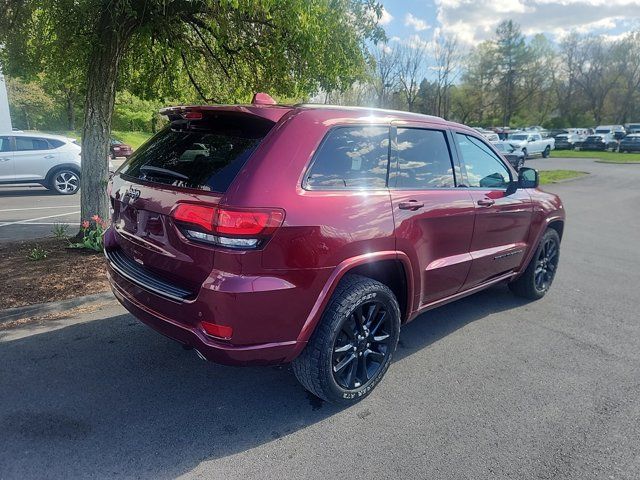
(163,172)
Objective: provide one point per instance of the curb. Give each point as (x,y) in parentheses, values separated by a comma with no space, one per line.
(11,314)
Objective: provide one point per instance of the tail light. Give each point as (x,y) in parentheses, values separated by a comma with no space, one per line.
(226,227)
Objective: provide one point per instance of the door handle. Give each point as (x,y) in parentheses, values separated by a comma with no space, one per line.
(48,157)
(410,205)
(486,202)
(5,159)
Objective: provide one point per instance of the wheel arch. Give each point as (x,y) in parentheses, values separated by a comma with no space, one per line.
(391,268)
(62,166)
(558,225)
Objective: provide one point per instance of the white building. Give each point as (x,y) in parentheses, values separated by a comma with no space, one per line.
(5,115)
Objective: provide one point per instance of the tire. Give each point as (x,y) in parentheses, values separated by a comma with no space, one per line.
(341,342)
(546,152)
(536,280)
(65,181)
(524,150)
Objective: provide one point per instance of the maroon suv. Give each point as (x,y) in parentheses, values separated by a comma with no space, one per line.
(267,234)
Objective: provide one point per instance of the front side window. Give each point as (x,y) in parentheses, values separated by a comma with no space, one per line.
(484,168)
(424,160)
(354,157)
(31,143)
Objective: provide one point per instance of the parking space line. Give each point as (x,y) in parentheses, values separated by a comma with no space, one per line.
(35,208)
(39,218)
(49,223)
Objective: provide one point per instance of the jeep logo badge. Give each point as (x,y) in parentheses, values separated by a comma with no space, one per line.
(132,193)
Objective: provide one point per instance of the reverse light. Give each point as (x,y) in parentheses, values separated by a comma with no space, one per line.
(215,330)
(231,228)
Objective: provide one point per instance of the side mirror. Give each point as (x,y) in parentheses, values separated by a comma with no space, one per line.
(528,178)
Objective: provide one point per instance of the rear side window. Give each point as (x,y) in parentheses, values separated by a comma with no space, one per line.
(424,160)
(351,158)
(31,143)
(205,154)
(53,143)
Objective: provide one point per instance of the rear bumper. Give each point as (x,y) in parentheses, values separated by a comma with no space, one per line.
(190,335)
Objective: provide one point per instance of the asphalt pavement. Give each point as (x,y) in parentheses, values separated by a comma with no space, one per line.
(31,211)
(490,387)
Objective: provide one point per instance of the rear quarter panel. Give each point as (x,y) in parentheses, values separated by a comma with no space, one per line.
(321,227)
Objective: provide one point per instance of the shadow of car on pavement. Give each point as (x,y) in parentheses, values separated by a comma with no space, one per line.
(110,397)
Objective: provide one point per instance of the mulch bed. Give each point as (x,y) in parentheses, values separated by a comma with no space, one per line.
(64,273)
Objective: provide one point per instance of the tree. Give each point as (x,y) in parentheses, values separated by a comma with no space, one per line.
(385,72)
(511,55)
(475,96)
(410,71)
(599,67)
(447,57)
(226,49)
(29,102)
(626,95)
(568,99)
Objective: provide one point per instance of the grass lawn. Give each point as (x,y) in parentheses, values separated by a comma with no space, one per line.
(135,139)
(606,157)
(553,176)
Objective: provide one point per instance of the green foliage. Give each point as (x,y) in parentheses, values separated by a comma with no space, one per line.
(131,113)
(59,230)
(37,253)
(30,105)
(92,234)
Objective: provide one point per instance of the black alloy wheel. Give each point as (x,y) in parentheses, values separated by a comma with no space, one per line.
(546,264)
(362,345)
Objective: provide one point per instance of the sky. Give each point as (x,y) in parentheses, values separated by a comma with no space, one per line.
(412,21)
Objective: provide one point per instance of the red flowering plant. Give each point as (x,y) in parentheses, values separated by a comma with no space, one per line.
(92,233)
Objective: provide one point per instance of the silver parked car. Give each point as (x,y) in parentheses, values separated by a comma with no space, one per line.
(50,160)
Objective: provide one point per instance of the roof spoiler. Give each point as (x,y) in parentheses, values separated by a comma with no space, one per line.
(262,106)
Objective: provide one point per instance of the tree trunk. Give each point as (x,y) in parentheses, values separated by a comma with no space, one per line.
(71,112)
(101,92)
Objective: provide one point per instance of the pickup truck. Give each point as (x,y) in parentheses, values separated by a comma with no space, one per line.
(532,143)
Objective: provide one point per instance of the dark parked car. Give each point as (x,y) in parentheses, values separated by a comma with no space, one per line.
(119,149)
(310,234)
(598,142)
(630,143)
(513,154)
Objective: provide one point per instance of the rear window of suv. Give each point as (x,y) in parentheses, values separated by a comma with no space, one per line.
(204,154)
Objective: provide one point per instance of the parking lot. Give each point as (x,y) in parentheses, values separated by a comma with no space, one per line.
(488,387)
(31,212)
(28,212)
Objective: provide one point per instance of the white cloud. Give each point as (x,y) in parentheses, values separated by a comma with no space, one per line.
(416,23)
(385,18)
(475,20)
(416,41)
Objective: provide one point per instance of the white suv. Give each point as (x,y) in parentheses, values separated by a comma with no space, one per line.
(50,160)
